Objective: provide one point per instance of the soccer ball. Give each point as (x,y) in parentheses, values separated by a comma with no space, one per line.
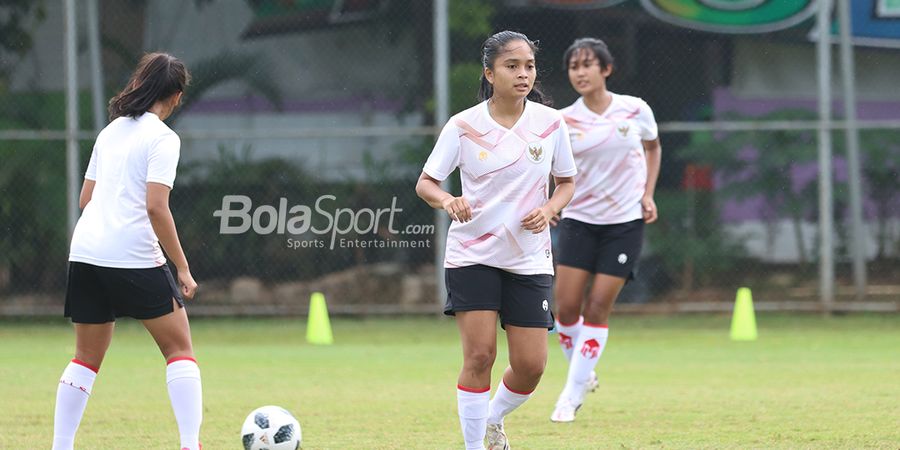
(271,428)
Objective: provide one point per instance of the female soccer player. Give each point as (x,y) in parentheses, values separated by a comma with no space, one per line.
(498,259)
(116,265)
(617,151)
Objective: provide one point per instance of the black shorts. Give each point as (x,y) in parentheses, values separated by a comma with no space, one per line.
(608,249)
(522,300)
(97,294)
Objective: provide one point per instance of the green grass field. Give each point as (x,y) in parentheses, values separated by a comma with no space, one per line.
(666,382)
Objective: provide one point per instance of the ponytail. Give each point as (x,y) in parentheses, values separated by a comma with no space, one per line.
(158,76)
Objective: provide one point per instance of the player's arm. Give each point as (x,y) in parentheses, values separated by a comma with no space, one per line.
(164,226)
(87,191)
(540,218)
(429,189)
(653,155)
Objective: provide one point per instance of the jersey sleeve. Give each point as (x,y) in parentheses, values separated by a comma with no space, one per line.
(444,158)
(162,159)
(91,172)
(563,161)
(647,122)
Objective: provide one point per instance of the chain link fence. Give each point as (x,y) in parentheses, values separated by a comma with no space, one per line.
(309,120)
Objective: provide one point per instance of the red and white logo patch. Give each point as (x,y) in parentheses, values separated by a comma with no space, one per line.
(565,340)
(590,349)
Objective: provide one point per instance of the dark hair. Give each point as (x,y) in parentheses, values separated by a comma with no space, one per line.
(158,76)
(598,47)
(493,47)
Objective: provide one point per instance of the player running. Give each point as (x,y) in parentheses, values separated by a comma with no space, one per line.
(498,259)
(617,151)
(116,265)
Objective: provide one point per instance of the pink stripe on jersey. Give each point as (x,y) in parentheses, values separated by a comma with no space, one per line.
(612,132)
(553,127)
(473,135)
(478,240)
(575,123)
(581,200)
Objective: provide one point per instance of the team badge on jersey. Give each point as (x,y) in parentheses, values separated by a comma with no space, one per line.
(623,130)
(536,152)
(482,155)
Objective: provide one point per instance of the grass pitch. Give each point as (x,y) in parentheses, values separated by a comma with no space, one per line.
(666,382)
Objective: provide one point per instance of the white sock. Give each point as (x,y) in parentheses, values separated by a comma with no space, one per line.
(504,402)
(186,395)
(590,344)
(568,335)
(72,395)
(473,413)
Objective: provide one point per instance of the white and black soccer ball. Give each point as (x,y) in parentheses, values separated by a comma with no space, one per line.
(271,428)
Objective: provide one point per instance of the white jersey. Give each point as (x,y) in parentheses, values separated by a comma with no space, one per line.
(612,168)
(114,229)
(505,175)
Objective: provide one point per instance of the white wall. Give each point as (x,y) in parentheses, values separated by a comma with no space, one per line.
(766,68)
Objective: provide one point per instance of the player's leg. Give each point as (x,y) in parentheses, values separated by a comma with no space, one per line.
(568,294)
(478,331)
(77,381)
(473,296)
(160,308)
(526,316)
(594,332)
(88,306)
(173,336)
(576,258)
(527,360)
(617,256)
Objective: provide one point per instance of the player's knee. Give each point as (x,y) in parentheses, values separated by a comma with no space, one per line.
(531,369)
(177,350)
(599,306)
(481,360)
(568,316)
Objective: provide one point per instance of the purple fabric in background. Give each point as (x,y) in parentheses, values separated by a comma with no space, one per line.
(757,208)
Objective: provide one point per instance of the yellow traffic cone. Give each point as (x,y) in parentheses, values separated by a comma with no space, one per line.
(318,327)
(743,321)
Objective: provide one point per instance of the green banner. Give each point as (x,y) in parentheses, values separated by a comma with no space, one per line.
(733,16)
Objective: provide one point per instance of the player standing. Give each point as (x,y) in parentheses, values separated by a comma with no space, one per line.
(498,259)
(617,151)
(116,265)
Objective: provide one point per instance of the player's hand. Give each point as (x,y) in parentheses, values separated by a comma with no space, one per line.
(538,219)
(458,209)
(648,208)
(554,221)
(187,283)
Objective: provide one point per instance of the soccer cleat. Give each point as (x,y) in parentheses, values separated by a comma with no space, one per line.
(496,437)
(593,383)
(565,411)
